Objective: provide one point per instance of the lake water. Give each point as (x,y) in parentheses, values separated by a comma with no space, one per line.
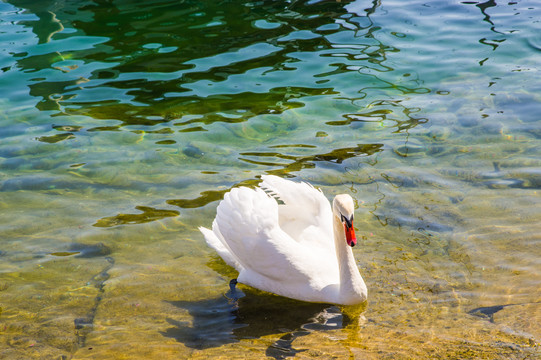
(123,123)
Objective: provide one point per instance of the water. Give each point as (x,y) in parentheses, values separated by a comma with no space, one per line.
(123,124)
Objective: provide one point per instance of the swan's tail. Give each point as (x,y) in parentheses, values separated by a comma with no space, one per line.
(214,242)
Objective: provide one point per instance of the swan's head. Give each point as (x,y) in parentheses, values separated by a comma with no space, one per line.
(343,208)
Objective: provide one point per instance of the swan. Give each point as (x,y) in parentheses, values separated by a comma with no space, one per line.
(279,238)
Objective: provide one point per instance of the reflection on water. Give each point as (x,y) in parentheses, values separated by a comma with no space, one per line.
(178,70)
(124,123)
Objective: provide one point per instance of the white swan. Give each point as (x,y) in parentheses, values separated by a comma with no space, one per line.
(279,238)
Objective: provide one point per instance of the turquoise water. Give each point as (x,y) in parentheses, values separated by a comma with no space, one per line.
(124,123)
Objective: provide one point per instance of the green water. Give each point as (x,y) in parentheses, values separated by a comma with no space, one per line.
(122,124)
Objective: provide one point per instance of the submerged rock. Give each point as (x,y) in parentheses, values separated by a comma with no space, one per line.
(90,250)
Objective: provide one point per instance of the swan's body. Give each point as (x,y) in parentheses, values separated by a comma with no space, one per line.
(283,242)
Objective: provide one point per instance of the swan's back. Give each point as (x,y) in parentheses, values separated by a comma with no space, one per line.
(303,211)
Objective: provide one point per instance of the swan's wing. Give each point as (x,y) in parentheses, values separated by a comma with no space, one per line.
(247,221)
(304,212)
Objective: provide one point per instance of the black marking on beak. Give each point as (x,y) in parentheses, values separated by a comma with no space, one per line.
(346,221)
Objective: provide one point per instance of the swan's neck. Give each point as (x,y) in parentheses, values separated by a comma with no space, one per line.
(352,287)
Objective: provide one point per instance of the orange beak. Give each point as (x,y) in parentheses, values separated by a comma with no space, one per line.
(351,239)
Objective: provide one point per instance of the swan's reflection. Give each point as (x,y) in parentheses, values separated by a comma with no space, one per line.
(250,314)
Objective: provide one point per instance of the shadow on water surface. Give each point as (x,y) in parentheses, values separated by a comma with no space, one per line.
(251,314)
(247,313)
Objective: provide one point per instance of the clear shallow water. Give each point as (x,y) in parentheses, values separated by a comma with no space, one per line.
(123,124)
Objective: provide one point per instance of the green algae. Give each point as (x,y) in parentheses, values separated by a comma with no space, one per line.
(149,214)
